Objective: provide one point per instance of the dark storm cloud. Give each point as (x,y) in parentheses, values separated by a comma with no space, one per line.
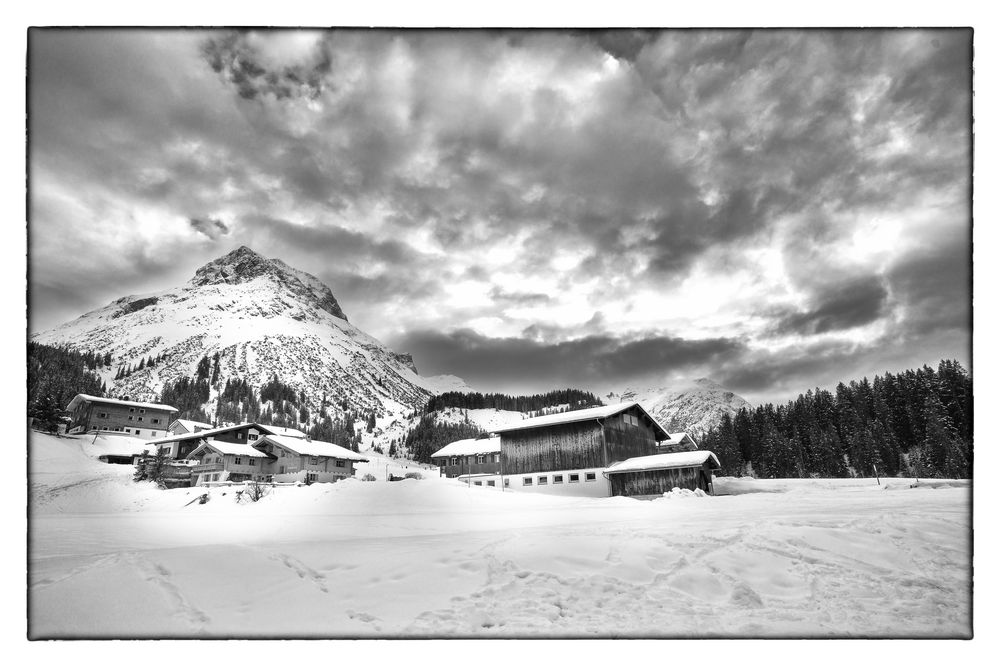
(517,362)
(934,283)
(213,228)
(844,306)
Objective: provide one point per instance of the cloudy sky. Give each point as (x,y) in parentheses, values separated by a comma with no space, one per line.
(775,210)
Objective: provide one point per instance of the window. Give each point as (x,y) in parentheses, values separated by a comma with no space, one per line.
(130,417)
(238,460)
(314,460)
(496,458)
(155,420)
(526,481)
(491,483)
(103,415)
(131,410)
(252,437)
(340,463)
(281,470)
(252,462)
(153,433)
(139,419)
(142,411)
(591,476)
(574,477)
(557,479)
(506,482)
(137,431)
(239,436)
(105,428)
(480,458)
(478,483)
(454,460)
(215,477)
(543,480)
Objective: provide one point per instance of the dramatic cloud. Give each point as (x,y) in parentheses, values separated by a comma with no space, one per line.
(538,193)
(210,227)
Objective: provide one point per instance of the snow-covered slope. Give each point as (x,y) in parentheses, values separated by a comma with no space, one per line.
(264,318)
(437,558)
(693,407)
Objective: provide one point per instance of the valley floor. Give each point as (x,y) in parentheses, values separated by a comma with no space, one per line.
(435,558)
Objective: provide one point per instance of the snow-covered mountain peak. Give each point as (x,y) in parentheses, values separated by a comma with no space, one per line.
(263,319)
(244,265)
(693,405)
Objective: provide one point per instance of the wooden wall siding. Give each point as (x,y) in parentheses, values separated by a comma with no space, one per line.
(558,447)
(657,482)
(626,441)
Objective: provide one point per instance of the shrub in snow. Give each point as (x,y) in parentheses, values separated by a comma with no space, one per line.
(413,475)
(252,492)
(368,477)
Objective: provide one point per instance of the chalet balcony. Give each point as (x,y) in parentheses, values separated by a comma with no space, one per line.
(207,467)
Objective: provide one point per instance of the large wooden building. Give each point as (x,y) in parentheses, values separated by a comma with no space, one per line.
(571,453)
(89,414)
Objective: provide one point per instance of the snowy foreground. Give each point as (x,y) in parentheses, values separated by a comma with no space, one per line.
(432,557)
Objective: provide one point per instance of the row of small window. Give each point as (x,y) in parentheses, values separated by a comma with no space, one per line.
(480,459)
(105,415)
(558,479)
(119,429)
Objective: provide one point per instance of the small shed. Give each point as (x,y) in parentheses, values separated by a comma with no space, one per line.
(659,473)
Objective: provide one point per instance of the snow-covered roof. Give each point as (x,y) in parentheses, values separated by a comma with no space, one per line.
(469,447)
(310,447)
(676,439)
(237,448)
(191,425)
(665,461)
(600,412)
(263,428)
(114,401)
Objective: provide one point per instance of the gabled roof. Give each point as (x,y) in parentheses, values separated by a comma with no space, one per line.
(676,439)
(263,428)
(587,414)
(469,447)
(114,401)
(665,461)
(309,447)
(237,448)
(191,425)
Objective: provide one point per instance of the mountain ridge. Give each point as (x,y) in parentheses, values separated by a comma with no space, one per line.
(263,318)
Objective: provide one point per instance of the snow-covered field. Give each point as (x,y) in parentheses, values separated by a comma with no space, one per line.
(789,558)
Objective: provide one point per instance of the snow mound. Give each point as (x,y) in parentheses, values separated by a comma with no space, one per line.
(677,492)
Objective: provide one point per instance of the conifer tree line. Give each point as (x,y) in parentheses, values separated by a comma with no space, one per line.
(476,401)
(126,370)
(56,375)
(428,436)
(917,423)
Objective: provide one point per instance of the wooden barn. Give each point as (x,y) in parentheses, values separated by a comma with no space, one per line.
(569,453)
(658,474)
